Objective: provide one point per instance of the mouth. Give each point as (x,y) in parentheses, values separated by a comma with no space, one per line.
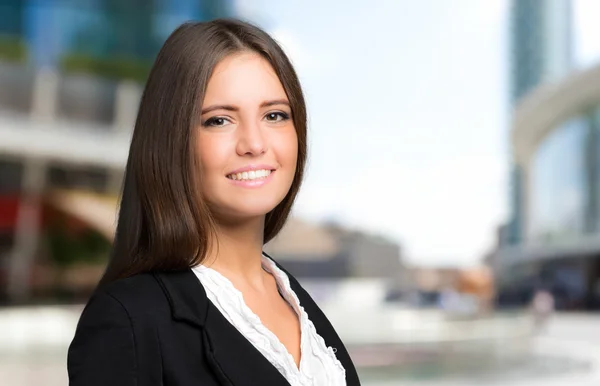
(251,175)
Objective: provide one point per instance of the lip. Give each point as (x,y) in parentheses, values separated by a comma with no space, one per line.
(248,168)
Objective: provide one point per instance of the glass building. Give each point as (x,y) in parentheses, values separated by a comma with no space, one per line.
(556,143)
(541,51)
(558,186)
(100,28)
(552,240)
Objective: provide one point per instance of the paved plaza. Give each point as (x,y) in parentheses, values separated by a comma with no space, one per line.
(568,353)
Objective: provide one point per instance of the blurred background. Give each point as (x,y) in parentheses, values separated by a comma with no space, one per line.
(449,224)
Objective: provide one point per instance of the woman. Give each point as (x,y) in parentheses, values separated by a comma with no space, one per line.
(216,160)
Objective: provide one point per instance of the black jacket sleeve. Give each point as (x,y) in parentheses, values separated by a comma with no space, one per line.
(103,351)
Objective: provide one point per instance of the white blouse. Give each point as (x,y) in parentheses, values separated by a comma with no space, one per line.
(318,363)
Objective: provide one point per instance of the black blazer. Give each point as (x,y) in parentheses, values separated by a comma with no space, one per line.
(160,329)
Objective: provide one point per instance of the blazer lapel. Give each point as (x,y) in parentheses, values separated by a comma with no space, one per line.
(324,328)
(236,357)
(235,361)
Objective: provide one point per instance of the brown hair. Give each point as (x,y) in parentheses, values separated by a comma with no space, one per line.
(163,222)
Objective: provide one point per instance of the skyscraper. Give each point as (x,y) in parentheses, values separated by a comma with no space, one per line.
(541,51)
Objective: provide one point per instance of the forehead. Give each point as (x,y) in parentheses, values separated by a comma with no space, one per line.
(243,77)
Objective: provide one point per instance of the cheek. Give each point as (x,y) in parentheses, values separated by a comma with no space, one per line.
(289,148)
(211,154)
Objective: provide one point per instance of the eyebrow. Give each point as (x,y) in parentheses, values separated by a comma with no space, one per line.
(234,108)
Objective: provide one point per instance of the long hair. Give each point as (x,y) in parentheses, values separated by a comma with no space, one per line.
(163,222)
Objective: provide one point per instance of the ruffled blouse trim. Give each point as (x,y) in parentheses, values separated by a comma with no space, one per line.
(318,362)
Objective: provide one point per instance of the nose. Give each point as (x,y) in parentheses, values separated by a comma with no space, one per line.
(251,139)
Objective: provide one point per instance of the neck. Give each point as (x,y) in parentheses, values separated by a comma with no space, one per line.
(238,251)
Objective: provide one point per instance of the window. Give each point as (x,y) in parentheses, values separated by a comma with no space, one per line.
(557,196)
(78,178)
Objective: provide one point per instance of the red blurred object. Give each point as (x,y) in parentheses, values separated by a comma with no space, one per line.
(9,209)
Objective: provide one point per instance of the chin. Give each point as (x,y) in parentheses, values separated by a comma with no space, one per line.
(247,210)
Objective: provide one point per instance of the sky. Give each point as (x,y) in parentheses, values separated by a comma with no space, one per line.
(408,115)
(586,31)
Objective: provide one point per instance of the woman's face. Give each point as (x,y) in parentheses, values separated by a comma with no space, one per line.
(246,144)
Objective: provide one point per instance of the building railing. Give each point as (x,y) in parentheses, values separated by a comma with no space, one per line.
(50,96)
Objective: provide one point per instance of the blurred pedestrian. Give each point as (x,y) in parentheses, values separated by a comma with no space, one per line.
(542,307)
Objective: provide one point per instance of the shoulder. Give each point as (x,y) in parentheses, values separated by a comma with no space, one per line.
(140,287)
(116,335)
(134,298)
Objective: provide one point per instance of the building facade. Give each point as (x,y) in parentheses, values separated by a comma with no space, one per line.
(71,77)
(556,142)
(330,251)
(552,240)
(540,52)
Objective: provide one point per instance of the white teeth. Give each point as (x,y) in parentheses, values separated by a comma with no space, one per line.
(251,175)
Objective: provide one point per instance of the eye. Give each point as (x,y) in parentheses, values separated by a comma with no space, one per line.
(277,116)
(216,122)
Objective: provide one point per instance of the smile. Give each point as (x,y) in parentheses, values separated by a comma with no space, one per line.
(252,175)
